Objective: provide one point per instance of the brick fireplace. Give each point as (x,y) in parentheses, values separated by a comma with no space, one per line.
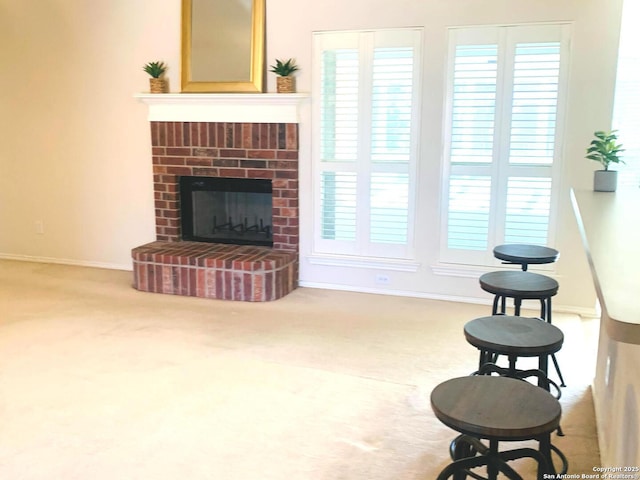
(221,149)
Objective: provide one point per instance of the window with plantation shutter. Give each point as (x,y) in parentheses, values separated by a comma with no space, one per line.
(366,123)
(503,119)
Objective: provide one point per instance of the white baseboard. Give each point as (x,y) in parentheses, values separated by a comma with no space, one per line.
(65,261)
(583,312)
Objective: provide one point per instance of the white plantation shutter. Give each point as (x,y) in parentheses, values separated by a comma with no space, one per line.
(534,108)
(391,117)
(366,125)
(503,117)
(475,76)
(474,103)
(532,142)
(339,144)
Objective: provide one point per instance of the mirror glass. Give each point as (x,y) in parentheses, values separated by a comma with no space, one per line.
(222,45)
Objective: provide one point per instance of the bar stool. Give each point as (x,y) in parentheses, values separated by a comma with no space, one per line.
(521,285)
(515,337)
(497,409)
(525,254)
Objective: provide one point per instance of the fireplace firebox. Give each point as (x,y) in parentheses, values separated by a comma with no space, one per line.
(226,210)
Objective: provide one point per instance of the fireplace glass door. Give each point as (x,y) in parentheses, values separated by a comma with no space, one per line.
(226,210)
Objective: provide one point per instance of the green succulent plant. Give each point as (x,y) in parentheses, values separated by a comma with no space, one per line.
(155,69)
(604,149)
(284,68)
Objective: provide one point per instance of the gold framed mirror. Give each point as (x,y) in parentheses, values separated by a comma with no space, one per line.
(223,46)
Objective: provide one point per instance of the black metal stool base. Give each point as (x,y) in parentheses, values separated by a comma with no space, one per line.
(468,453)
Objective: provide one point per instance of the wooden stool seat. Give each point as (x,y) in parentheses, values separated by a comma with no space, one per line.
(497,409)
(510,335)
(525,255)
(518,284)
(515,337)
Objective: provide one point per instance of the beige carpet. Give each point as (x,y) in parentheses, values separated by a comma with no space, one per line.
(99,381)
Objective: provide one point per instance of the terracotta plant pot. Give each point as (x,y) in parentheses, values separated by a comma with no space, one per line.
(157,85)
(286,84)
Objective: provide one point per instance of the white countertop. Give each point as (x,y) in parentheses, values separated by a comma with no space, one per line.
(610,227)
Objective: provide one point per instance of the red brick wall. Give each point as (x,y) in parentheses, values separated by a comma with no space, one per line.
(236,150)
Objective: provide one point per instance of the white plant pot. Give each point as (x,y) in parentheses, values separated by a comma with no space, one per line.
(605,180)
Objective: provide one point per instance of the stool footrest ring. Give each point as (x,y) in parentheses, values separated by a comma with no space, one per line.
(489,368)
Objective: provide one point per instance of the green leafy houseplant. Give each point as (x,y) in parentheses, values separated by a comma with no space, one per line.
(604,149)
(155,69)
(284,68)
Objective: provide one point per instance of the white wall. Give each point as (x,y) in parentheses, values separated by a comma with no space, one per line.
(75,152)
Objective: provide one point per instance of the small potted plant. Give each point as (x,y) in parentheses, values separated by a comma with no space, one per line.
(157,83)
(284,70)
(604,150)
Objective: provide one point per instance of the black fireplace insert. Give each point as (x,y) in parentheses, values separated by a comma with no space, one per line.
(226,210)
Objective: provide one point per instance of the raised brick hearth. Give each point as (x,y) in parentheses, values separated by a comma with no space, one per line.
(232,150)
(210,270)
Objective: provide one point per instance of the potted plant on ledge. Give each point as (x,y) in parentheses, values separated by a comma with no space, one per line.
(285,80)
(604,150)
(157,84)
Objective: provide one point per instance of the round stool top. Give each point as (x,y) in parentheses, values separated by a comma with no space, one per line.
(525,254)
(516,283)
(498,408)
(508,335)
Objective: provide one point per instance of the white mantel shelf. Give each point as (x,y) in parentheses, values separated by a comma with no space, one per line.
(224,107)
